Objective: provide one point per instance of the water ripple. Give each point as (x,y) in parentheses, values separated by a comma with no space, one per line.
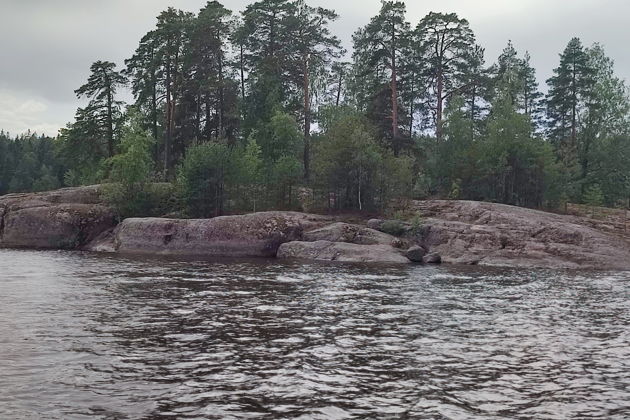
(87,336)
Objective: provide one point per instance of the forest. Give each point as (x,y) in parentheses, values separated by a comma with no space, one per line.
(264,109)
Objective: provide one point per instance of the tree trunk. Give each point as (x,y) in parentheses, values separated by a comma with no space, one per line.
(307,119)
(208,128)
(110,122)
(394,89)
(339,87)
(242,74)
(174,105)
(411,105)
(154,106)
(198,116)
(167,138)
(221,92)
(440,106)
(574,107)
(473,112)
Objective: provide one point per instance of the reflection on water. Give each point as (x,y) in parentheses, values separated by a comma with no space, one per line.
(88,336)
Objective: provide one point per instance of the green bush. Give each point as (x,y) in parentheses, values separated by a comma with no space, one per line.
(202,179)
(394,227)
(130,173)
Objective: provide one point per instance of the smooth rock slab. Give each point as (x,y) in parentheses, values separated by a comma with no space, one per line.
(470,232)
(342,252)
(345,232)
(250,235)
(62,219)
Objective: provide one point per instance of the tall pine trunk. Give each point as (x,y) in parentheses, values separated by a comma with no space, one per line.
(242,65)
(110,122)
(339,87)
(307,119)
(221,92)
(394,90)
(440,106)
(167,138)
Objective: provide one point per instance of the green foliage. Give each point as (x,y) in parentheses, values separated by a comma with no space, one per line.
(202,179)
(28,163)
(248,165)
(569,89)
(394,227)
(131,171)
(593,196)
(443,42)
(456,190)
(284,174)
(378,58)
(103,109)
(229,102)
(416,224)
(47,180)
(514,167)
(284,137)
(350,164)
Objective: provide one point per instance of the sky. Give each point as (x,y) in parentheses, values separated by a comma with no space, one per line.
(47,47)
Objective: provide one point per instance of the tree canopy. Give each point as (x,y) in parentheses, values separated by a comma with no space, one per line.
(241,111)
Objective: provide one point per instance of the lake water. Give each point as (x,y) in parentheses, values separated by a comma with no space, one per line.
(90,336)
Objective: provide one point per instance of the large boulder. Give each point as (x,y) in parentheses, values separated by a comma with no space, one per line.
(345,232)
(416,253)
(250,235)
(342,252)
(62,219)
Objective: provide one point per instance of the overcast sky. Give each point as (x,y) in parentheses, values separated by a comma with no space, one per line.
(46,47)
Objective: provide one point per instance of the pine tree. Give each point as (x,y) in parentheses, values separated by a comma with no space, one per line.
(444,42)
(314,47)
(507,75)
(267,54)
(171,31)
(142,70)
(477,95)
(532,97)
(101,88)
(607,112)
(378,49)
(209,86)
(569,88)
(266,36)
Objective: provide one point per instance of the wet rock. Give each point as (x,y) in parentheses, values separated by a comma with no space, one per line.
(416,253)
(342,252)
(432,258)
(102,243)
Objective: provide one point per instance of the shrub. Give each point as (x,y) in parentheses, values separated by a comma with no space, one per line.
(394,227)
(131,171)
(202,178)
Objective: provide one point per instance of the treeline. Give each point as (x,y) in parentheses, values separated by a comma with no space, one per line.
(258,110)
(28,163)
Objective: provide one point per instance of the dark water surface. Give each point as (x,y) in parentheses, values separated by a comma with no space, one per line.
(88,336)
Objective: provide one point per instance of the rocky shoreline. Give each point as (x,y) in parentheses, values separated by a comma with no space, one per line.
(454,232)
